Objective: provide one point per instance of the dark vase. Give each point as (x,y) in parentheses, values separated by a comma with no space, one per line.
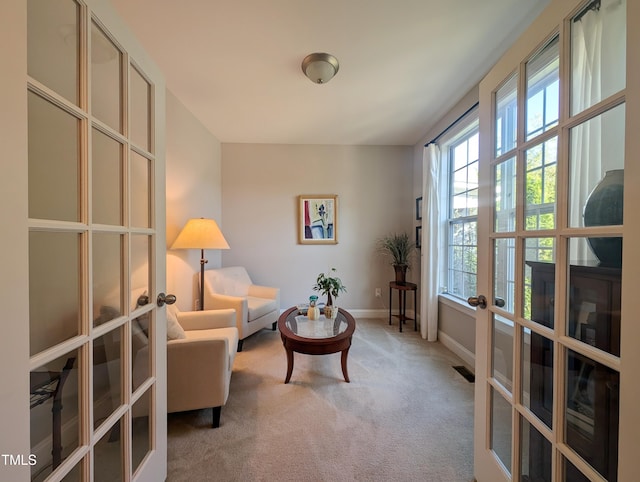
(401,273)
(604,207)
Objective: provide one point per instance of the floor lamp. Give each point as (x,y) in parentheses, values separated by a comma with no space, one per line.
(200,233)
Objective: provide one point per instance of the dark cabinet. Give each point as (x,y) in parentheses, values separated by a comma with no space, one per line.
(591,409)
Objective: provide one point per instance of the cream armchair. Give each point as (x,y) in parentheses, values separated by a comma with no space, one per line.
(199,363)
(256,306)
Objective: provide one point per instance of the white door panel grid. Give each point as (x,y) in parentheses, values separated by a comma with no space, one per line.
(555,357)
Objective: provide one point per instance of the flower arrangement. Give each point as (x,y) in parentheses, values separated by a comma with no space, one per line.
(330,285)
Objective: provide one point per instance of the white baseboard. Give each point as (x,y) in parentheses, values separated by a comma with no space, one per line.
(467,357)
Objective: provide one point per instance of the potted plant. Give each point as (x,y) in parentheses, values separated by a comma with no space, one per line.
(330,285)
(399,248)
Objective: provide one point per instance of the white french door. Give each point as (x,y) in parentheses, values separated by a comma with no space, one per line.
(555,383)
(89,248)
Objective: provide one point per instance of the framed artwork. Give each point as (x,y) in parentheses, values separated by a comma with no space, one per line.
(419,208)
(418,237)
(318,219)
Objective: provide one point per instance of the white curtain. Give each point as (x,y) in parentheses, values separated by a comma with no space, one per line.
(430,243)
(586,162)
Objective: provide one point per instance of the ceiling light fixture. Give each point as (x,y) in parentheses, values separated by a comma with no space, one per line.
(320,67)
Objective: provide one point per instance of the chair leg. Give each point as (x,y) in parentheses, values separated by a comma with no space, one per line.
(216,417)
(273,325)
(240,345)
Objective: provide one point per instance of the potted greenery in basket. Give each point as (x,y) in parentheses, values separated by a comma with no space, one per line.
(330,285)
(400,249)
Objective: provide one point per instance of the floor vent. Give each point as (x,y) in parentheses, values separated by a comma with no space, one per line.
(470,377)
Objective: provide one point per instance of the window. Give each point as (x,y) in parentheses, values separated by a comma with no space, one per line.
(461,156)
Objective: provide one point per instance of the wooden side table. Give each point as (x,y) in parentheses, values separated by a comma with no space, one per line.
(402,302)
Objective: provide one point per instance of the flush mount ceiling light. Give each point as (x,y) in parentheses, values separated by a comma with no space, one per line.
(320,67)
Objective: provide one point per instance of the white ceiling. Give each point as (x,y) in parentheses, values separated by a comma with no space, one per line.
(403,63)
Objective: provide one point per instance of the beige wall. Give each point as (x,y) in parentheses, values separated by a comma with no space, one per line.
(259,199)
(193,191)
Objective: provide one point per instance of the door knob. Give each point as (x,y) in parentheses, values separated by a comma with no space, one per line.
(165,299)
(479,301)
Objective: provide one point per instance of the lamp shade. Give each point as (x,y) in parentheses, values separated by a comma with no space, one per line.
(200,233)
(320,67)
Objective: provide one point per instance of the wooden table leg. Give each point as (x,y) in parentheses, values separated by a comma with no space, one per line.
(344,365)
(289,365)
(400,310)
(390,303)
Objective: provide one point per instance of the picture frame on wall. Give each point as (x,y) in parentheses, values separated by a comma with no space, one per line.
(419,208)
(318,219)
(418,237)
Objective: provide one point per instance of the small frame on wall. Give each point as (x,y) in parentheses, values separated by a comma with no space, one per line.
(318,219)
(419,208)
(418,237)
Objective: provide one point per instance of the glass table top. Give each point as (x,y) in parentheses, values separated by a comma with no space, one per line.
(316,329)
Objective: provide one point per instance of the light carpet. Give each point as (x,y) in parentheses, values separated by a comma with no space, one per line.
(407,415)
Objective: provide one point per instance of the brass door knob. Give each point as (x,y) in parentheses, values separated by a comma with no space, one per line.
(479,301)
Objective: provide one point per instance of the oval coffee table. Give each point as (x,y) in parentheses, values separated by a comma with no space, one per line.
(316,337)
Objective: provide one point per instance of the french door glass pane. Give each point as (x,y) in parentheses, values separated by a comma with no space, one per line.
(502,356)
(504,273)
(108,462)
(540,185)
(501,431)
(54,413)
(537,375)
(594,301)
(535,454)
(140,253)
(140,353)
(107,375)
(597,149)
(598,54)
(504,176)
(140,110)
(54,172)
(54,287)
(592,413)
(140,429)
(539,280)
(542,90)
(506,112)
(140,191)
(107,174)
(106,79)
(53,45)
(107,277)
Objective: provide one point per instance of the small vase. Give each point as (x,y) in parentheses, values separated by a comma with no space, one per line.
(330,311)
(313,313)
(604,207)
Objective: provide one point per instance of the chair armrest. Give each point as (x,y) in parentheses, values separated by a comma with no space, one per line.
(208,319)
(264,292)
(197,356)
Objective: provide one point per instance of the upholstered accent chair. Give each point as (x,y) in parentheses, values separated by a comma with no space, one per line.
(256,306)
(199,364)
